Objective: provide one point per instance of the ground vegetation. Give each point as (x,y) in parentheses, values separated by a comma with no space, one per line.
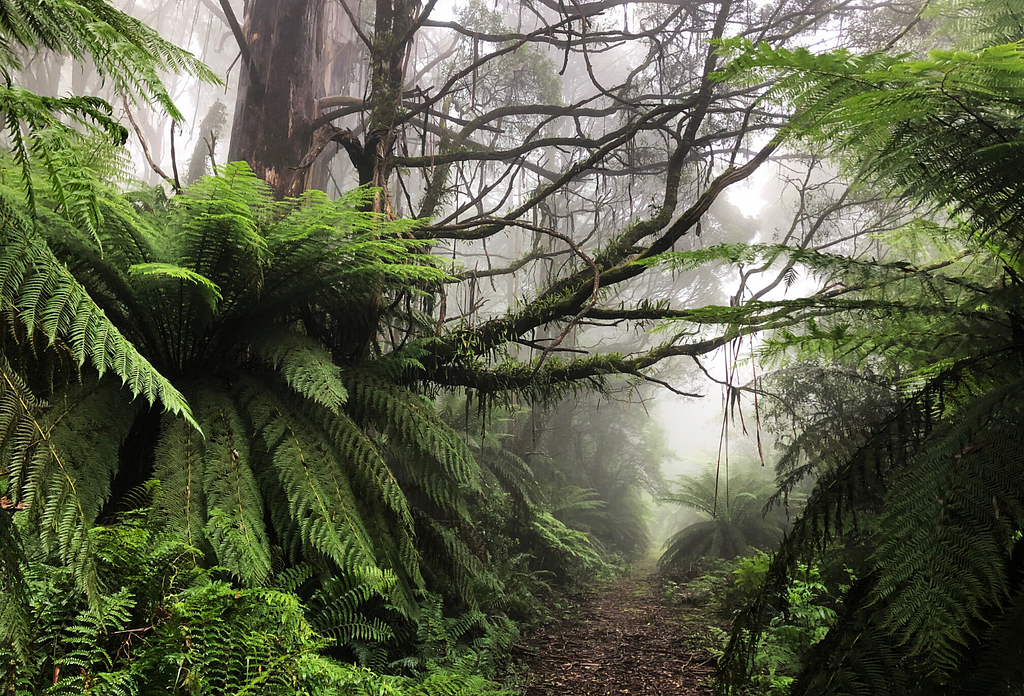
(233,401)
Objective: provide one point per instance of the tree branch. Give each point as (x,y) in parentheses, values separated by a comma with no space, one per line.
(355,26)
(243,45)
(145,147)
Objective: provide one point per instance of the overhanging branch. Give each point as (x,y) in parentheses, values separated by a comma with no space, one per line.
(243,45)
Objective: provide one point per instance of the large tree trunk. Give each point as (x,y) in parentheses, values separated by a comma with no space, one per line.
(273,124)
(290,43)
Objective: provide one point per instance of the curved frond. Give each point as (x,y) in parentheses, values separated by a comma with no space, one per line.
(306,365)
(414,421)
(315,481)
(233,501)
(45,296)
(170,270)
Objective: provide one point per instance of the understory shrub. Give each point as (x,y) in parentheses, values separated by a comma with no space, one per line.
(802,615)
(166,625)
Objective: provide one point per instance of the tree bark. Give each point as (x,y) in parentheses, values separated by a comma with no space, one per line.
(273,128)
(392,38)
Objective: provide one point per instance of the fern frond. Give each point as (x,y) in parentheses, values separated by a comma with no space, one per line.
(67,459)
(179,467)
(44,295)
(513,473)
(949,527)
(335,606)
(565,541)
(58,147)
(17,407)
(412,419)
(904,123)
(306,365)
(573,498)
(451,555)
(122,48)
(320,496)
(218,233)
(386,508)
(14,592)
(169,270)
(233,501)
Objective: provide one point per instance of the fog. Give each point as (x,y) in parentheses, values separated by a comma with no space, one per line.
(572,182)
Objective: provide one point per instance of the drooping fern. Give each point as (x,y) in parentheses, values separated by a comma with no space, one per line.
(933,491)
(242,300)
(48,131)
(43,295)
(950,527)
(928,144)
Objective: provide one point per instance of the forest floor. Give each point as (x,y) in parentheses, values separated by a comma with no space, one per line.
(623,638)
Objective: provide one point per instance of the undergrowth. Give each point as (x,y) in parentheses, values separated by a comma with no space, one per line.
(801,616)
(167,625)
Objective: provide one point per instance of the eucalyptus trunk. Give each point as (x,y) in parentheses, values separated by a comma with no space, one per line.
(293,47)
(276,105)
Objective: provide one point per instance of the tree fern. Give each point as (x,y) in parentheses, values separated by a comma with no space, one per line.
(295,453)
(933,490)
(737,520)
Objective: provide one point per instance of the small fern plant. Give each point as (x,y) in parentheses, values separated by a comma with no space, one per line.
(735,520)
(165,625)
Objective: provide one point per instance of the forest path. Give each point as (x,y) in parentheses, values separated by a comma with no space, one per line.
(622,640)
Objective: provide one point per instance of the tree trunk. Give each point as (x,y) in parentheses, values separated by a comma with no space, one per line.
(392,39)
(273,124)
(289,43)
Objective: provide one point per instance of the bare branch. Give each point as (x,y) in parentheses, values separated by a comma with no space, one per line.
(243,45)
(145,147)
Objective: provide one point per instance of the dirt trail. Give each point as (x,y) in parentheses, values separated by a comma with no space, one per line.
(622,641)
